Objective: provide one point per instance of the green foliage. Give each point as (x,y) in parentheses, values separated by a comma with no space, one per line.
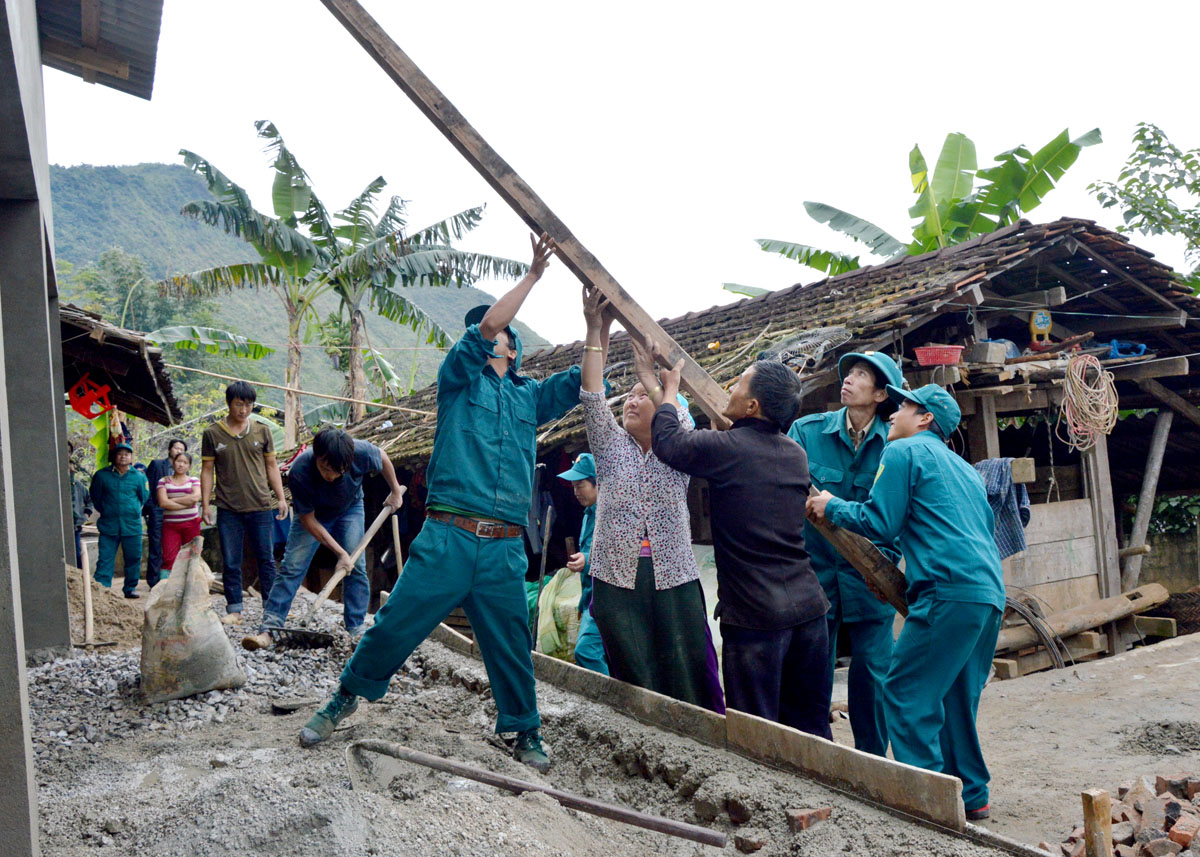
(208,339)
(1173,514)
(950,207)
(1158,192)
(748,291)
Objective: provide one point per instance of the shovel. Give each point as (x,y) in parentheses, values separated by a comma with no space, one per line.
(89,623)
(302,637)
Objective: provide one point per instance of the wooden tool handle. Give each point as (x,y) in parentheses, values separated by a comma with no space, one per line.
(399,551)
(571,548)
(89,625)
(362,546)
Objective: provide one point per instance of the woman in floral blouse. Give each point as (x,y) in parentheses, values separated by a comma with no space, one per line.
(646,597)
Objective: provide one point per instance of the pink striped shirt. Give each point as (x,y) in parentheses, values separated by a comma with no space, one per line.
(180,492)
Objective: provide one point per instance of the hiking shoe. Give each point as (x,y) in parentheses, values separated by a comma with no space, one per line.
(133,595)
(321,725)
(528,751)
(231,619)
(254,642)
(979,814)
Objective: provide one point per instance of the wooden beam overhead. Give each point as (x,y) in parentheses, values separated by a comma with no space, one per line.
(1161,321)
(1053,296)
(521,197)
(1166,367)
(89,31)
(1117,270)
(87,58)
(1172,399)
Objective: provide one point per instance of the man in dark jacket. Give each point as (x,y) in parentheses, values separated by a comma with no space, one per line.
(771,606)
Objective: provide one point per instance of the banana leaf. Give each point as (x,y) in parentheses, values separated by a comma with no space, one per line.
(209,339)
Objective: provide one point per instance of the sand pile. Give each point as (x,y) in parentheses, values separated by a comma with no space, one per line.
(116,618)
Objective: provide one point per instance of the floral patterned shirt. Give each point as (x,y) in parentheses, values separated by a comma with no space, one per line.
(638,495)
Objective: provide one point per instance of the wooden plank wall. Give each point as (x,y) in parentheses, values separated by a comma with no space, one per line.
(1059,564)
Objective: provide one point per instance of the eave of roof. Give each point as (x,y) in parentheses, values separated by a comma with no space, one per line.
(129,30)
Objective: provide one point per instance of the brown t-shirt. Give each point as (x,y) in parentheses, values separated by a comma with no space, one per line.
(240,466)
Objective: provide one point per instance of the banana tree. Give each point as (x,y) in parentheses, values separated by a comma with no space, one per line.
(369,258)
(211,340)
(287,256)
(950,208)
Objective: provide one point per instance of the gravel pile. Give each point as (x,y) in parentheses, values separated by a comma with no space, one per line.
(1163,738)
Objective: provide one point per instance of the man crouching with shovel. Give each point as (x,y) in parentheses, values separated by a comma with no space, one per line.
(327,507)
(470,550)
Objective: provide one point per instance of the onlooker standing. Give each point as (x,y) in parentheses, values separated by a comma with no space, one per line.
(844,448)
(239,454)
(775,645)
(327,504)
(81,505)
(119,492)
(178,496)
(589,648)
(155,472)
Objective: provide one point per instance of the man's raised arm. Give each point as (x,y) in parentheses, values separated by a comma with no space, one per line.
(501,314)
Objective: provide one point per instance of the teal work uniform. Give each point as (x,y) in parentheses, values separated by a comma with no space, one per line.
(589,648)
(119,499)
(835,466)
(933,505)
(482,465)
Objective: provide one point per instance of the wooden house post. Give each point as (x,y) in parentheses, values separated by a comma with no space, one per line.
(1100,498)
(1145,506)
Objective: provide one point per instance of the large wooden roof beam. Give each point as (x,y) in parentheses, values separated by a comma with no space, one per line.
(1114,268)
(521,197)
(1172,399)
(1160,321)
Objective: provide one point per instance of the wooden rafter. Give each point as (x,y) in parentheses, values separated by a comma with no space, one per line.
(89,30)
(1113,268)
(87,58)
(1172,399)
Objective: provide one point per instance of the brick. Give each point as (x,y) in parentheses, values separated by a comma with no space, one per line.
(1075,835)
(1185,830)
(1079,849)
(1176,784)
(1192,788)
(749,841)
(1047,847)
(1174,810)
(803,819)
(1154,814)
(1142,790)
(1123,833)
(1122,811)
(1126,851)
(1161,848)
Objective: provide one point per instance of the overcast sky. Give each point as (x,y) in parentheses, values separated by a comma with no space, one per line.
(667,136)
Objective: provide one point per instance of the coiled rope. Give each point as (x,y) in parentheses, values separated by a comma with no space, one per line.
(1089,407)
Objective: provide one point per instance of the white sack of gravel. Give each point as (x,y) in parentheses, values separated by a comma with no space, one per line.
(184,648)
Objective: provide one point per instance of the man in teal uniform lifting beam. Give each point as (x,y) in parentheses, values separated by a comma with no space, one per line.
(470,551)
(844,448)
(933,505)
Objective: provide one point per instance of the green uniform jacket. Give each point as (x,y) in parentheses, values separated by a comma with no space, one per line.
(835,467)
(119,500)
(485,442)
(933,505)
(586,530)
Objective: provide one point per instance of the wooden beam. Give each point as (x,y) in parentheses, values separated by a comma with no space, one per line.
(1114,268)
(1141,521)
(1085,617)
(1097,823)
(1172,399)
(1156,626)
(521,197)
(89,31)
(875,568)
(1166,367)
(1053,296)
(1023,471)
(1162,321)
(983,434)
(86,58)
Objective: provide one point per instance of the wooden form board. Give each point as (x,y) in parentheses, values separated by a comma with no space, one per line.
(521,197)
(1061,545)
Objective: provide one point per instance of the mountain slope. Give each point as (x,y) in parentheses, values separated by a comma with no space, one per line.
(137,208)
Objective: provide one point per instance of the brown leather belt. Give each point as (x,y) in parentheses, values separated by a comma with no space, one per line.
(481,528)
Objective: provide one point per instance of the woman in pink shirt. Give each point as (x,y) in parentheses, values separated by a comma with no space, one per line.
(179,497)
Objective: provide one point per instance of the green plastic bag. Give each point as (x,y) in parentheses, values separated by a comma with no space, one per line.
(558,617)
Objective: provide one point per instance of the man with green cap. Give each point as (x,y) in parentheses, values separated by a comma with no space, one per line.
(119,492)
(844,447)
(470,551)
(934,506)
(589,649)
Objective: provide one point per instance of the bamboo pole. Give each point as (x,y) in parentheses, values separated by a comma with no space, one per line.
(301,392)
(1145,507)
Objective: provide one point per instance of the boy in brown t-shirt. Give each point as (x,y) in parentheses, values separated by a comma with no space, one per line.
(239,453)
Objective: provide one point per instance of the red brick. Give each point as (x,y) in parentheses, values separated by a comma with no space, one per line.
(1192,787)
(748,842)
(1126,851)
(1076,835)
(803,819)
(1173,783)
(1079,849)
(1123,833)
(1047,847)
(1154,815)
(1185,830)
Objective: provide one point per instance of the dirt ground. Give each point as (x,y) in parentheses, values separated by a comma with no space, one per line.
(223,775)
